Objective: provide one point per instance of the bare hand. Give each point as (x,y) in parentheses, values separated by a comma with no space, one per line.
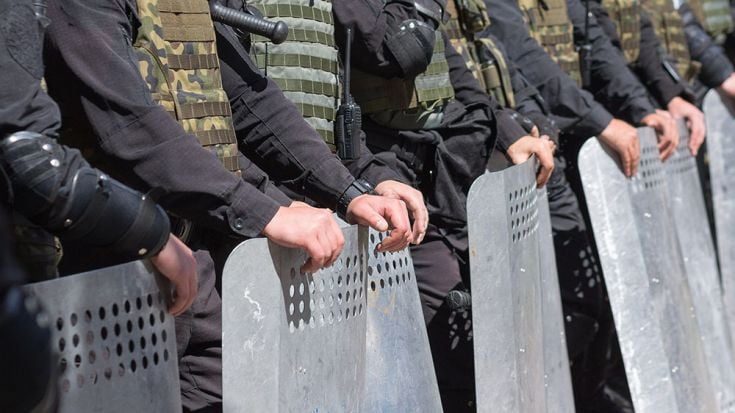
(314,230)
(414,202)
(728,86)
(623,139)
(681,109)
(542,147)
(382,214)
(666,131)
(176,262)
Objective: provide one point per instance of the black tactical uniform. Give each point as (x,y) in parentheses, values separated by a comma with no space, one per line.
(53,187)
(587,313)
(95,69)
(715,66)
(442,159)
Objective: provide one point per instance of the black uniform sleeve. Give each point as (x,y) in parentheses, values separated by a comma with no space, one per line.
(90,52)
(23,105)
(573,109)
(273,133)
(649,66)
(716,67)
(613,84)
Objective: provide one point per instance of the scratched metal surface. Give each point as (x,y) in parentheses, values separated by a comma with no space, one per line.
(720,117)
(557,377)
(644,272)
(700,263)
(294,342)
(400,372)
(114,340)
(506,291)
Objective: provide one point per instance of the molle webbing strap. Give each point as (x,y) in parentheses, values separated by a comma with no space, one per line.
(306,65)
(669,29)
(626,14)
(552,29)
(714,15)
(492,73)
(377,94)
(177,57)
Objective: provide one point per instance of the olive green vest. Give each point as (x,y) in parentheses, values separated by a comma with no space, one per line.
(305,66)
(177,57)
(670,31)
(549,24)
(714,15)
(468,17)
(626,14)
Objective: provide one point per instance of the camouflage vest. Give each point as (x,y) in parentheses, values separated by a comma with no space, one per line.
(468,17)
(627,17)
(549,24)
(305,66)
(670,31)
(177,57)
(714,15)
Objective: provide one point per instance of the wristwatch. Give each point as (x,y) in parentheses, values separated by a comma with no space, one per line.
(358,187)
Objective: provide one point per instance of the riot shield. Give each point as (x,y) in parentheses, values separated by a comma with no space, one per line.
(294,342)
(400,373)
(114,340)
(503,223)
(700,262)
(720,117)
(644,271)
(557,377)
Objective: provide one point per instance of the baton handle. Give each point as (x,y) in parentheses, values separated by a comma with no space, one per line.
(277,32)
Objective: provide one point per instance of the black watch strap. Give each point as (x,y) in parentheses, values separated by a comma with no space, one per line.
(358,187)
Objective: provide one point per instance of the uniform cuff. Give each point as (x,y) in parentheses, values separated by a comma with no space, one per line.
(508,130)
(251,212)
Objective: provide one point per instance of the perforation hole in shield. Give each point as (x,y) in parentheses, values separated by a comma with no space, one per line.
(113,341)
(650,171)
(522,212)
(682,160)
(386,270)
(326,298)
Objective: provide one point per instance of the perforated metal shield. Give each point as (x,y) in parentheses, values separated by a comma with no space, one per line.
(114,340)
(400,373)
(557,377)
(294,342)
(644,272)
(700,263)
(720,116)
(506,291)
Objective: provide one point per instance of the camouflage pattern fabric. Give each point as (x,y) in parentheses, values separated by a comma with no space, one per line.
(549,24)
(714,15)
(670,31)
(482,56)
(177,57)
(626,14)
(306,65)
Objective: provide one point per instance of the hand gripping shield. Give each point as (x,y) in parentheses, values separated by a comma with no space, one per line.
(503,226)
(399,370)
(114,340)
(294,342)
(700,263)
(720,117)
(557,377)
(644,272)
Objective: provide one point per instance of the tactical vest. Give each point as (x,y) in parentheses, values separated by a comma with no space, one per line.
(714,15)
(399,102)
(549,24)
(626,14)
(306,65)
(177,57)
(670,31)
(468,17)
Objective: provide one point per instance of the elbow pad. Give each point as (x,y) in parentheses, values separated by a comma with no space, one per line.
(54,187)
(412,45)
